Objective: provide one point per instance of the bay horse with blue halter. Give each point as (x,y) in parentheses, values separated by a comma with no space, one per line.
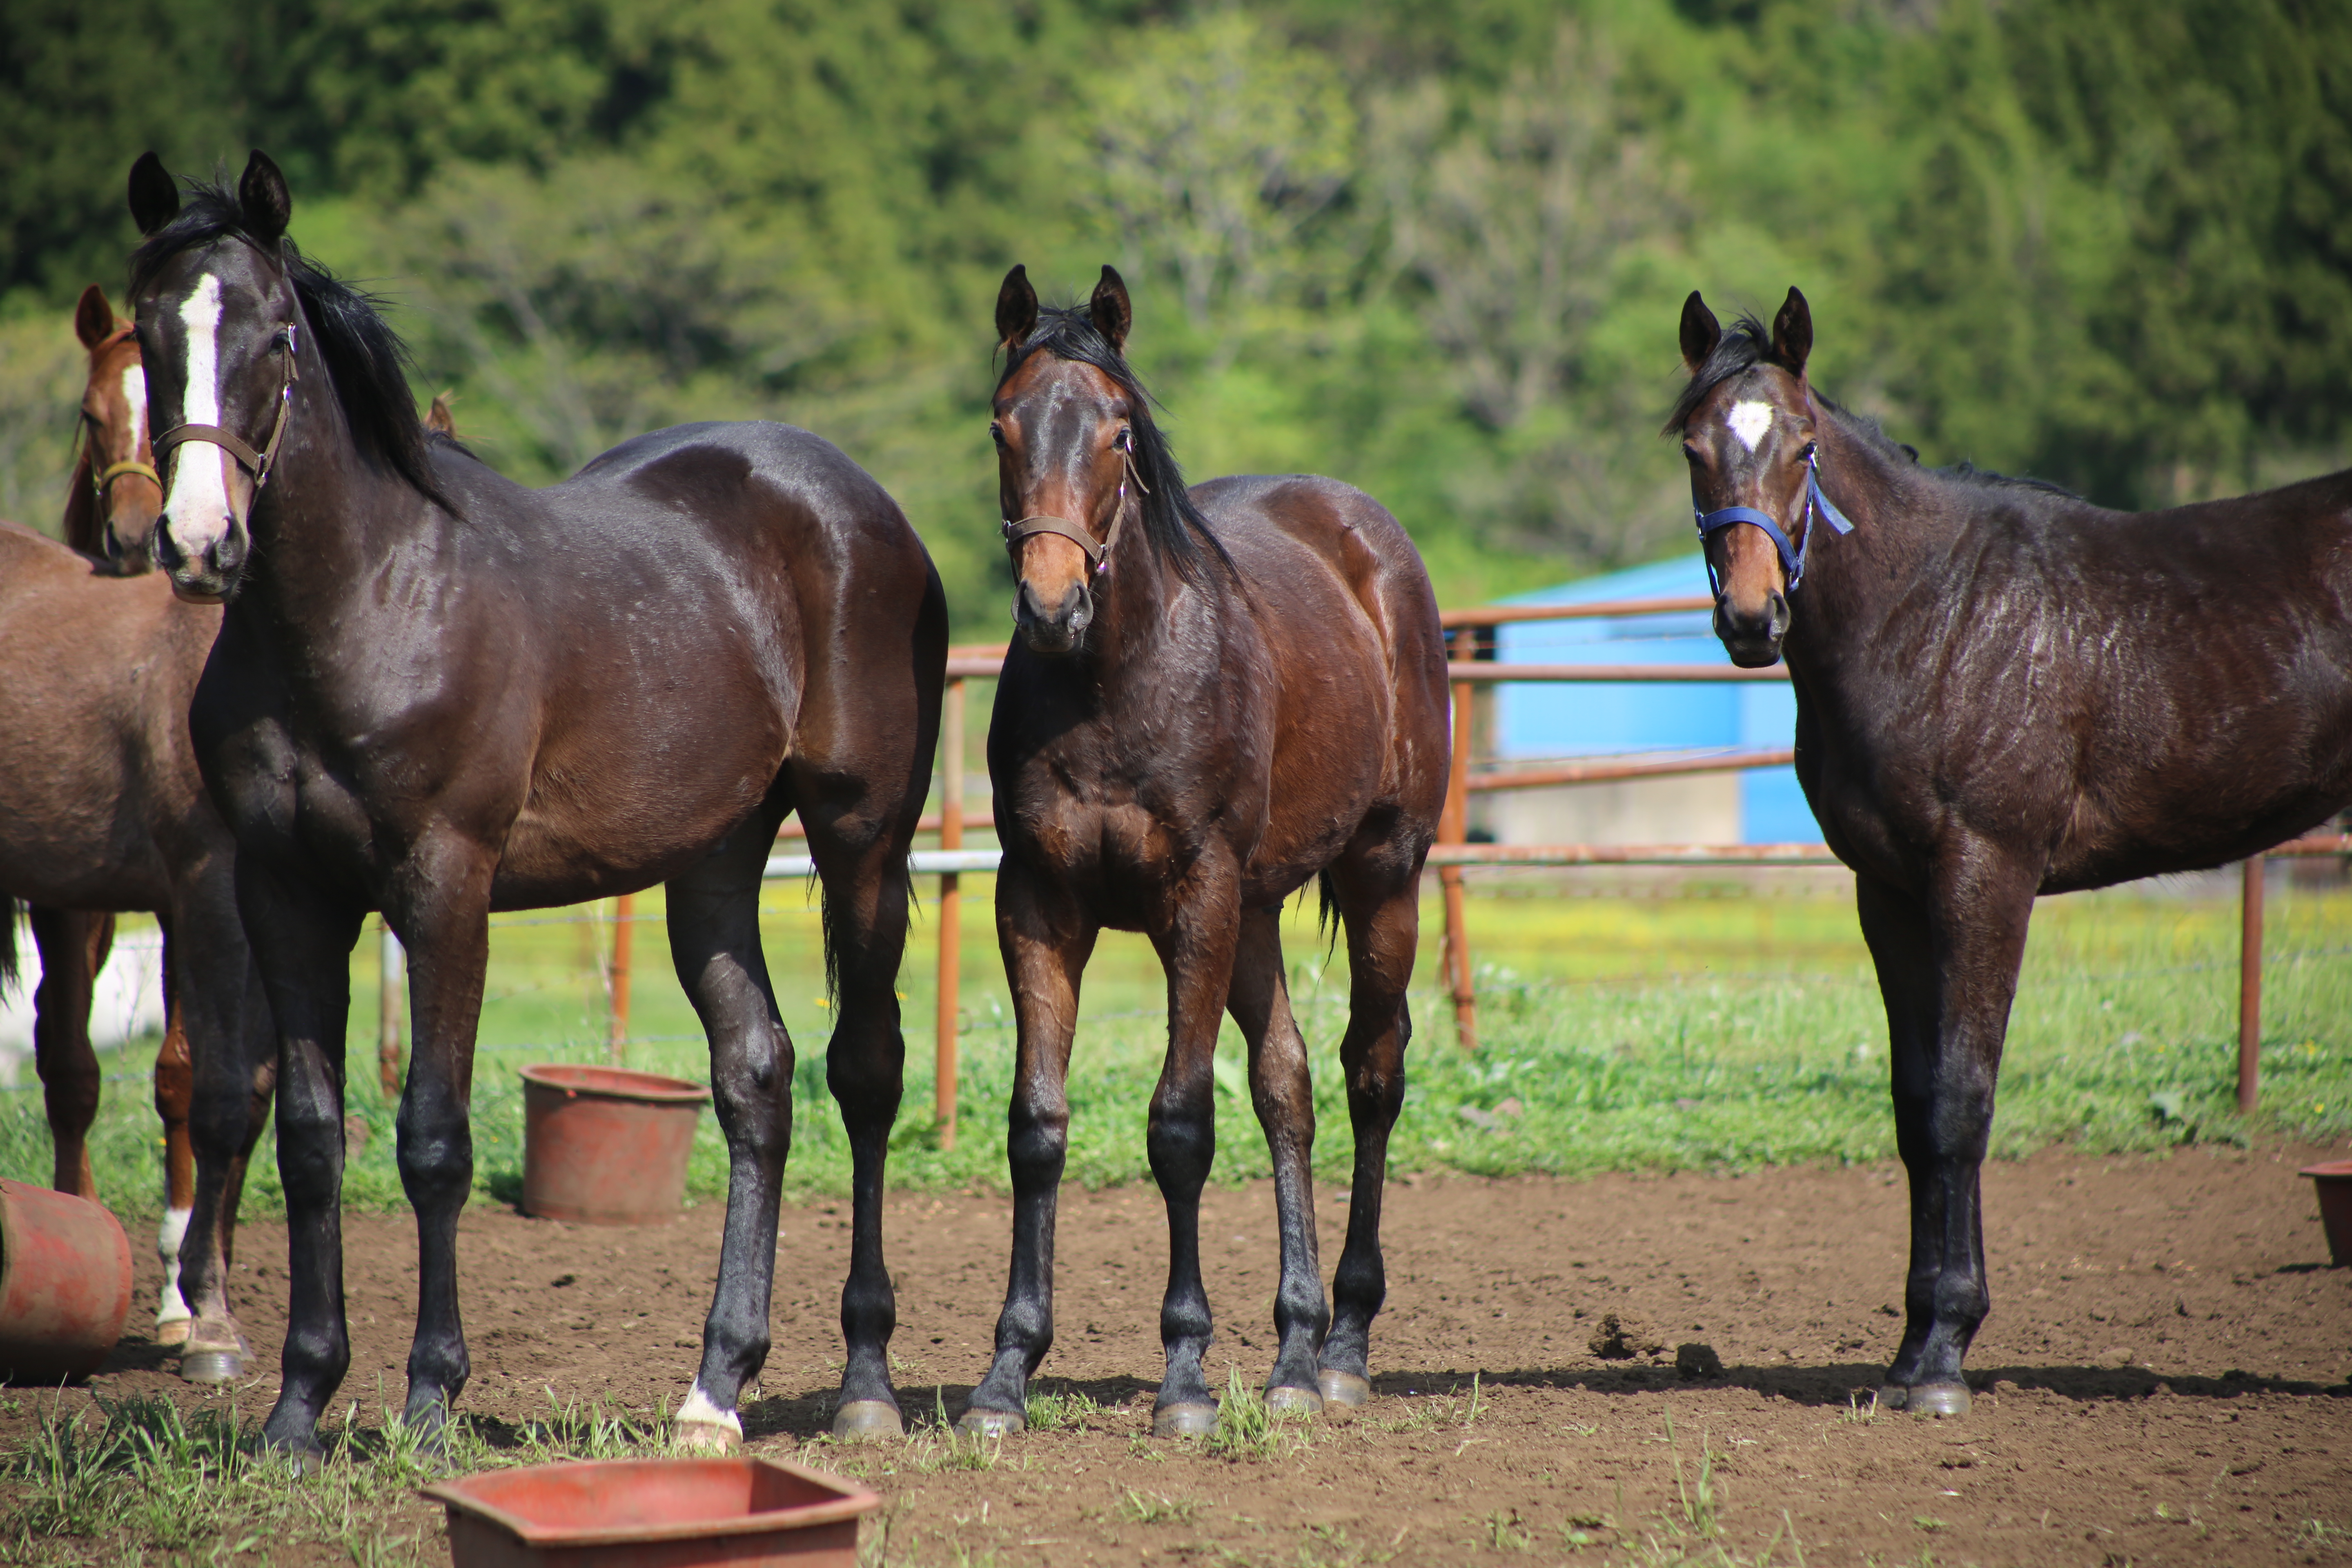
(2002,690)
(437,693)
(1217,695)
(102,811)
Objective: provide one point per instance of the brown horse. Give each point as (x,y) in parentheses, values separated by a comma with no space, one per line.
(437,694)
(1216,697)
(102,808)
(2001,691)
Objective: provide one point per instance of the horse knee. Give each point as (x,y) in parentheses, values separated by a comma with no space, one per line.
(437,1162)
(1182,1141)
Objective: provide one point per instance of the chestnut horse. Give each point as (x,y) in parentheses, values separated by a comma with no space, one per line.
(1216,696)
(2003,691)
(437,694)
(102,810)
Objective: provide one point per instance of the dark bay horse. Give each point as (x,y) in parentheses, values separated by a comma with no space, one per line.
(437,694)
(2001,691)
(1216,696)
(102,810)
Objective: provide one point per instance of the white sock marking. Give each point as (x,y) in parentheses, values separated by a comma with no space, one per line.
(1749,421)
(699,1406)
(197,508)
(174,1306)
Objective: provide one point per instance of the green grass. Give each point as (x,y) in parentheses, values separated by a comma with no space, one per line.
(1717,1029)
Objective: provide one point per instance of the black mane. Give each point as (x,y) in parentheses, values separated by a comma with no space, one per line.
(365,358)
(1748,343)
(1170,522)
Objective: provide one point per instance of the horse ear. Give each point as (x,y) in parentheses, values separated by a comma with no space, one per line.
(1701,331)
(93,318)
(154,198)
(1113,315)
(268,204)
(1016,307)
(1792,334)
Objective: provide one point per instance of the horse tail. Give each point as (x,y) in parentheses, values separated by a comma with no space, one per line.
(1327,912)
(11,910)
(830,917)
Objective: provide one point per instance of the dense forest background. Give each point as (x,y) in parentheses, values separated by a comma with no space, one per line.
(1433,247)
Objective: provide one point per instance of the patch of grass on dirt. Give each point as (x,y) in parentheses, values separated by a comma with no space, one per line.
(144,1476)
(1711,1030)
(1060,1410)
(1248,1428)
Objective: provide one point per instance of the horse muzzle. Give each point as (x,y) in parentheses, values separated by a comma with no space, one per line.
(1053,629)
(211,574)
(1753,636)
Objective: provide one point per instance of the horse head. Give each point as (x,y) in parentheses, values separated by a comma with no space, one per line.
(1066,433)
(118,496)
(1747,423)
(218,323)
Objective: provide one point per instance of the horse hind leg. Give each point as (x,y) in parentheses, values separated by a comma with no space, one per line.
(1379,910)
(73,945)
(1284,1101)
(714,939)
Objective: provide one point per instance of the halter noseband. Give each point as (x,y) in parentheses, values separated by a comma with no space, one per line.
(1097,554)
(1792,557)
(255,463)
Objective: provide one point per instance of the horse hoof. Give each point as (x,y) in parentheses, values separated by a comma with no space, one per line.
(1344,1389)
(1184,1421)
(173,1332)
(1288,1401)
(983,1422)
(1937,1400)
(209,1366)
(704,1438)
(301,1459)
(868,1421)
(1892,1396)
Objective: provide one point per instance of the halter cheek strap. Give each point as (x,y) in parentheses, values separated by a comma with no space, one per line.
(255,463)
(1097,554)
(1792,556)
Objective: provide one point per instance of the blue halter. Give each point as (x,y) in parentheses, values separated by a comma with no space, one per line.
(1792,557)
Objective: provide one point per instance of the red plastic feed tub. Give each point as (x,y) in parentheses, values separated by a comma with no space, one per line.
(2334,1181)
(65,1285)
(653,1513)
(606,1145)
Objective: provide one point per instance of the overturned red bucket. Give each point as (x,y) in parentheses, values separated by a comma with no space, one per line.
(653,1513)
(64,1284)
(606,1145)
(2334,1181)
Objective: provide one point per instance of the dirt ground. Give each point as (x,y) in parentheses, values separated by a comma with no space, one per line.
(2164,1378)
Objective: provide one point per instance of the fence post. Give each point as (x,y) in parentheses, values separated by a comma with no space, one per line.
(616,1040)
(2250,987)
(1453,827)
(943,1100)
(392,963)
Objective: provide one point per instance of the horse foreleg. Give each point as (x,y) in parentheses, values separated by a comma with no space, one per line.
(714,940)
(1284,1101)
(176,1091)
(1197,948)
(73,945)
(1045,941)
(302,942)
(440,908)
(1380,909)
(1948,969)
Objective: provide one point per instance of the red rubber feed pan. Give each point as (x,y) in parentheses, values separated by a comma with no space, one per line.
(606,1145)
(653,1513)
(65,1285)
(2334,1181)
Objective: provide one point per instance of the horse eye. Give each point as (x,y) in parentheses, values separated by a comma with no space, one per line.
(1690,451)
(996,433)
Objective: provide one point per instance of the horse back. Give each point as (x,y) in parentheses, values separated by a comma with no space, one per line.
(100,794)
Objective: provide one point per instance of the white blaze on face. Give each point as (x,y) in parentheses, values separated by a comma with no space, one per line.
(197,510)
(134,397)
(1749,421)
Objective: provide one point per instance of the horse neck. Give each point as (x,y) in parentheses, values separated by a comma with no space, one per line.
(326,515)
(1131,631)
(1855,582)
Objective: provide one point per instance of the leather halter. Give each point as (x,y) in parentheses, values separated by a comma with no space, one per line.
(1792,557)
(1097,554)
(255,463)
